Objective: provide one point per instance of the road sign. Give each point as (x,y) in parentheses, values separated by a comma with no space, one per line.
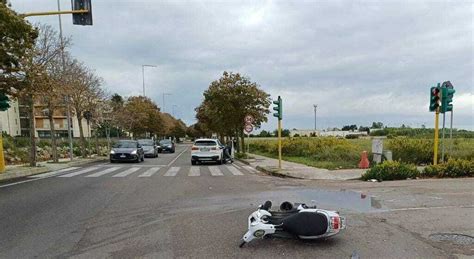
(248,128)
(249,119)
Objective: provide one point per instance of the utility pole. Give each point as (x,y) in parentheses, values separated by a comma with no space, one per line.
(315,110)
(68,117)
(143,76)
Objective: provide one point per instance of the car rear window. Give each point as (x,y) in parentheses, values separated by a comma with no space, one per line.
(205,143)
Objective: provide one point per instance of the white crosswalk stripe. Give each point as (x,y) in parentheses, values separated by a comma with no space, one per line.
(150,172)
(250,169)
(234,170)
(172,171)
(127,172)
(215,171)
(103,172)
(54,172)
(83,171)
(237,166)
(194,171)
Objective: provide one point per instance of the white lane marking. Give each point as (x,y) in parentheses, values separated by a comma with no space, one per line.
(234,170)
(127,172)
(106,171)
(215,171)
(83,171)
(250,169)
(150,172)
(54,172)
(194,171)
(176,158)
(236,166)
(172,171)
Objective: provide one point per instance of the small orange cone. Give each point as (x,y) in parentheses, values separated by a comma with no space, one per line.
(364,161)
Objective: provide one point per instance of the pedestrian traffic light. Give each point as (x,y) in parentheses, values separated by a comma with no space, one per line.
(4,102)
(435,98)
(278,108)
(82,18)
(447,95)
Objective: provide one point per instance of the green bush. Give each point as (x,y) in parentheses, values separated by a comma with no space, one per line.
(391,170)
(453,168)
(410,150)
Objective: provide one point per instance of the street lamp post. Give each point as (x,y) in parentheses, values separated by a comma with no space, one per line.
(164,94)
(315,109)
(143,76)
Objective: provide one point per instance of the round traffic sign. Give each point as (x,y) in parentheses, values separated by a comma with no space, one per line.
(248,128)
(249,119)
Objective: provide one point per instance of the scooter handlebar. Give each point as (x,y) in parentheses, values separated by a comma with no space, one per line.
(266,206)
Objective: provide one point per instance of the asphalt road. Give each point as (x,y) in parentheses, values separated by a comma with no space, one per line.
(166,208)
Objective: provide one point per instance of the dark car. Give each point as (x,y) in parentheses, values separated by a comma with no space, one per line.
(149,147)
(167,145)
(127,150)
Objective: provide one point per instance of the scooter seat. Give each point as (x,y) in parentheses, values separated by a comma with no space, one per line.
(306,224)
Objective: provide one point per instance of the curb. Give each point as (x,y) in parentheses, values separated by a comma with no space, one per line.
(269,172)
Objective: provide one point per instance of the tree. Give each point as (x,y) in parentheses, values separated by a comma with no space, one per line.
(17,40)
(142,115)
(366,129)
(228,100)
(84,92)
(377,125)
(350,127)
(265,134)
(284,133)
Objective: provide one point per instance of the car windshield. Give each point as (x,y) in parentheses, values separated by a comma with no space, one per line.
(165,141)
(126,144)
(205,143)
(146,142)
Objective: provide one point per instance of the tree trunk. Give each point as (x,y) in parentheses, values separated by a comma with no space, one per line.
(31,118)
(81,135)
(242,140)
(97,151)
(53,136)
(237,138)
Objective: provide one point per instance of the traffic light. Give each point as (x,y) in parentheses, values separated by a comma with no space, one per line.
(447,99)
(435,98)
(82,18)
(278,108)
(4,102)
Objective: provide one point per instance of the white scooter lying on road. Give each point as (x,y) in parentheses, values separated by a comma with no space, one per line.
(293,221)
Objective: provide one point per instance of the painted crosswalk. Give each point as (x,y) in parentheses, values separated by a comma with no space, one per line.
(149,172)
(215,171)
(136,171)
(173,171)
(104,172)
(194,171)
(83,171)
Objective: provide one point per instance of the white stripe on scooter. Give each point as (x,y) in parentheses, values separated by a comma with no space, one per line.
(234,170)
(150,172)
(173,171)
(127,172)
(106,171)
(215,171)
(194,171)
(83,171)
(54,172)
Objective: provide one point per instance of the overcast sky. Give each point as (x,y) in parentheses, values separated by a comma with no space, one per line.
(360,61)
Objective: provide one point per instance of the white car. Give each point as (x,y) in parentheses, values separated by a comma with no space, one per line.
(207,150)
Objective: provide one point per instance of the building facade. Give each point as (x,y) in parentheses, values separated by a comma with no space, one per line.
(10,120)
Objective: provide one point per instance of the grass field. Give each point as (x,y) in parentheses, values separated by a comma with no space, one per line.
(333,153)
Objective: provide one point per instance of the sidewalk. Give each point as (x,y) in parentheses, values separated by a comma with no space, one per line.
(295,170)
(16,171)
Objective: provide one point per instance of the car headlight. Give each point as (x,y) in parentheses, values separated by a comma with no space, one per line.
(112,152)
(134,152)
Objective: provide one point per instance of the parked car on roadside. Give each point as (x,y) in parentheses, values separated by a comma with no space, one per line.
(127,150)
(207,150)
(167,145)
(149,147)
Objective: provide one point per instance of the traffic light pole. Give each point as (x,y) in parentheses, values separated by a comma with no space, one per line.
(279,144)
(435,156)
(442,143)
(451,134)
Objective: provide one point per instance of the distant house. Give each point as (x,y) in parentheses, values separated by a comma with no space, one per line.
(325,133)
